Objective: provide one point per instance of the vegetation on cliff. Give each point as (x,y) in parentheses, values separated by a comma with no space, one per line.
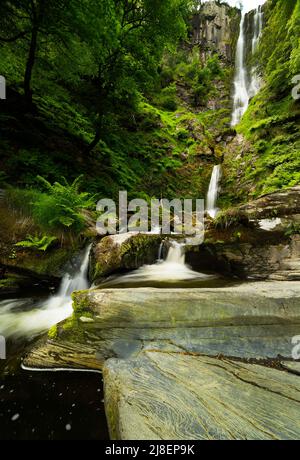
(268,158)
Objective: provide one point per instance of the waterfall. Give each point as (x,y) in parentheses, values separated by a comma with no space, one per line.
(246,86)
(176,254)
(172,270)
(240,98)
(213,191)
(255,83)
(258,25)
(17,320)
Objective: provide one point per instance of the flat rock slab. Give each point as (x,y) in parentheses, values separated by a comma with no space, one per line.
(253,320)
(175,396)
(247,304)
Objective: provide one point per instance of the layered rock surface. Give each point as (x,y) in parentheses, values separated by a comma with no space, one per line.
(162,353)
(172,396)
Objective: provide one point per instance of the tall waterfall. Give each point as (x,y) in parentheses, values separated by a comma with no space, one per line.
(24,317)
(255,83)
(246,86)
(241,97)
(213,191)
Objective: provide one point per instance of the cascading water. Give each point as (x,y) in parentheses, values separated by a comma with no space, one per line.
(171,270)
(241,98)
(16,321)
(213,191)
(255,83)
(246,87)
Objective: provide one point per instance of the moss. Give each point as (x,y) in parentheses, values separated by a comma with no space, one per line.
(53,332)
(139,249)
(81,304)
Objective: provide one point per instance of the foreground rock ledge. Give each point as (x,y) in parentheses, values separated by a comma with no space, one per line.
(255,320)
(172,396)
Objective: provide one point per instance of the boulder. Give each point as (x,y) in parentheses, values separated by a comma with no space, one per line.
(123,252)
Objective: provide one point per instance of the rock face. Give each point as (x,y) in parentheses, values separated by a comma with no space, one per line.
(123,252)
(172,396)
(216,29)
(259,240)
(281,204)
(256,320)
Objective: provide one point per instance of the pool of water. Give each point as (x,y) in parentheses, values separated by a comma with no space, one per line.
(44,405)
(48,405)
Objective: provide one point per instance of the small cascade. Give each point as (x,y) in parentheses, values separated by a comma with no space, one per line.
(213,191)
(26,317)
(246,86)
(160,251)
(171,270)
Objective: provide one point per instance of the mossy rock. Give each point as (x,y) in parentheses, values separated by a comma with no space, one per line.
(123,252)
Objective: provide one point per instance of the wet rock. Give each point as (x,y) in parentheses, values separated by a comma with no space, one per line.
(259,240)
(123,252)
(256,320)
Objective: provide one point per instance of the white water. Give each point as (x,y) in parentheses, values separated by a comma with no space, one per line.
(246,87)
(213,191)
(255,83)
(14,321)
(171,270)
(241,97)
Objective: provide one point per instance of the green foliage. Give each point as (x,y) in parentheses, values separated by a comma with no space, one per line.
(293,229)
(35,242)
(63,206)
(167,98)
(270,158)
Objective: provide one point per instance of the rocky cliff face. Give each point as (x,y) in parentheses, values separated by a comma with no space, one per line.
(215,29)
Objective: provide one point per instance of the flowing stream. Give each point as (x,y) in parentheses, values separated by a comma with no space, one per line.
(29,317)
(171,272)
(246,86)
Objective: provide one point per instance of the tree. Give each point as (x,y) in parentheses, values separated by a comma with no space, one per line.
(26,20)
(130,47)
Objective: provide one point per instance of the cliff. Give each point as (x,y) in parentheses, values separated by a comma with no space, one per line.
(215,30)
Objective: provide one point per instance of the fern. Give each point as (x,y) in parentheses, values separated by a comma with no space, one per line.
(62,207)
(35,242)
